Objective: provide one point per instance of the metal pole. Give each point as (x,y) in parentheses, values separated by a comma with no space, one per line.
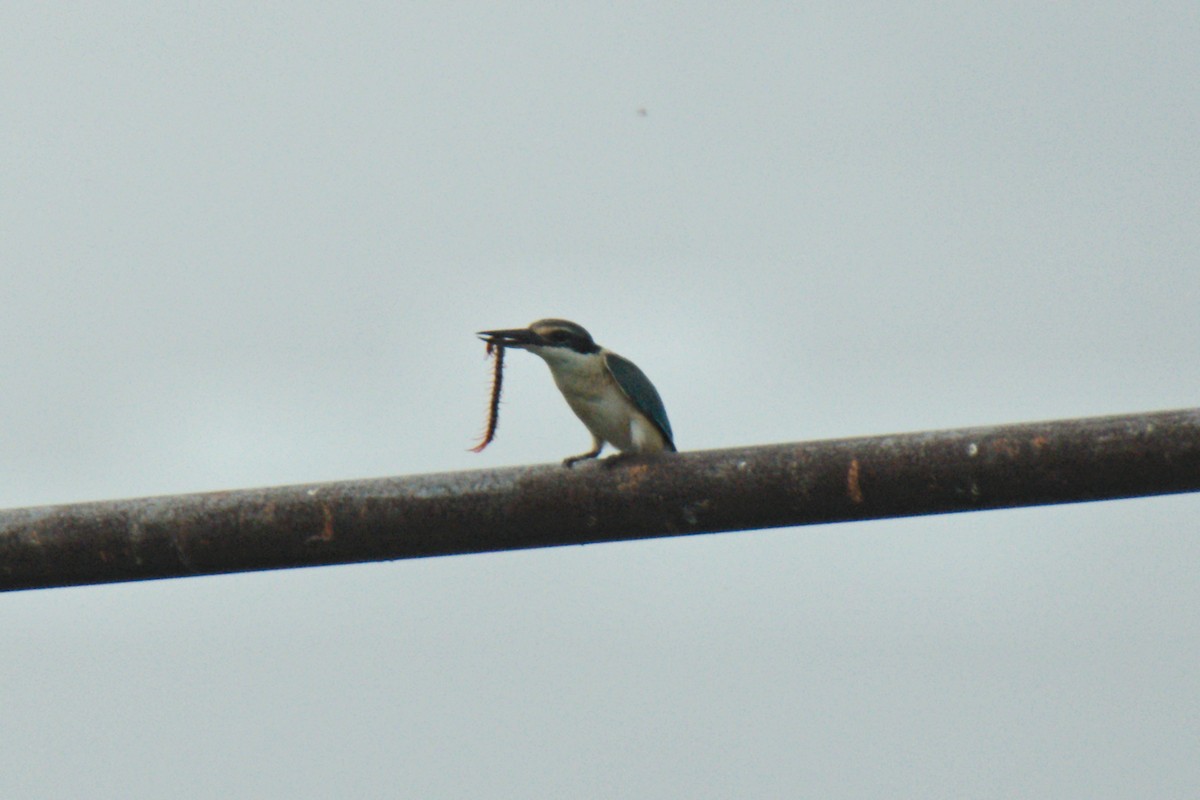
(540,506)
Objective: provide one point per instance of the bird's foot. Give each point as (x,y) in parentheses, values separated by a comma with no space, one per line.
(573,460)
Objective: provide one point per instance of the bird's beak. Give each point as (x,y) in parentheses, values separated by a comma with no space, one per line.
(515,337)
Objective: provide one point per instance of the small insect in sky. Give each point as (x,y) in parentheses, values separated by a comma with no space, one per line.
(496,350)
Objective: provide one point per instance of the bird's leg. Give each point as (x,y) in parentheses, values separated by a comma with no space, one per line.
(597,446)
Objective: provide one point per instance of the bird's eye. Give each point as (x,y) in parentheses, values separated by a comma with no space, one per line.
(558,336)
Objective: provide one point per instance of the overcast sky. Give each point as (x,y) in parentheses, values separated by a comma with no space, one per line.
(249,244)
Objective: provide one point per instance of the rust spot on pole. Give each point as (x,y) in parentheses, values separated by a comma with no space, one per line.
(1006,447)
(852,486)
(326,534)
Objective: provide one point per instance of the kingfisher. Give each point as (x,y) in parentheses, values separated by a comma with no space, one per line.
(610,395)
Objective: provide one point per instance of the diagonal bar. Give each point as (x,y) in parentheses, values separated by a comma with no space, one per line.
(970,469)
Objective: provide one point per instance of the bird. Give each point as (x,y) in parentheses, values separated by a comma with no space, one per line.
(612,397)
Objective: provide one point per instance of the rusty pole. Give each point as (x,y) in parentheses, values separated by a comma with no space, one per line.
(804,483)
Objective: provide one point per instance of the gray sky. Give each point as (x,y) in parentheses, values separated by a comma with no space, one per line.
(246,246)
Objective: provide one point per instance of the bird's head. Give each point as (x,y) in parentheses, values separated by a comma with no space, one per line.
(552,339)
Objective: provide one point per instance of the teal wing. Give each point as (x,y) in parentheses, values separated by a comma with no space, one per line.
(641,391)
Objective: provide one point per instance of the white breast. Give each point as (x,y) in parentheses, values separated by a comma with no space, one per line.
(596,399)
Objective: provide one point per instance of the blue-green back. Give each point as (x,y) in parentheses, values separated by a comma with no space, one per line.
(641,391)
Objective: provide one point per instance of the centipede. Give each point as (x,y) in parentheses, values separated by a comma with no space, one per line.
(493,419)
